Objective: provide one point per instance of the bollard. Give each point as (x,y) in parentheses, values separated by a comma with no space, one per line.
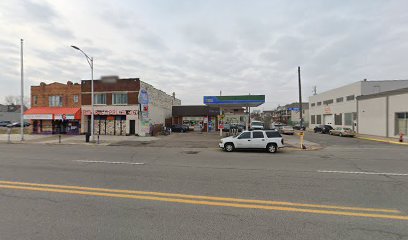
(401,138)
(301,134)
(59,138)
(9,137)
(98,139)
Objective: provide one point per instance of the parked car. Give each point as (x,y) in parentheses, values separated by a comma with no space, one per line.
(279,127)
(227,127)
(179,128)
(256,125)
(271,141)
(298,127)
(241,127)
(287,130)
(322,129)
(4,123)
(234,126)
(18,124)
(342,131)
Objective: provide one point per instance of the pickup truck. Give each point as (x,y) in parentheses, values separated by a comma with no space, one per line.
(271,141)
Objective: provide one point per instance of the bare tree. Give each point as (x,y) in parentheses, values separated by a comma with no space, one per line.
(11,100)
(15,100)
(267,121)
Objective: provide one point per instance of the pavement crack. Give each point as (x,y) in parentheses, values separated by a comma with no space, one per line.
(386,234)
(27,197)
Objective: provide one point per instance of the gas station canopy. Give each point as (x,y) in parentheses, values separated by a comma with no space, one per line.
(235,101)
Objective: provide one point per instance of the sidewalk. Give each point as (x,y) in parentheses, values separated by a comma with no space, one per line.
(72,139)
(293,141)
(16,138)
(382,139)
(175,140)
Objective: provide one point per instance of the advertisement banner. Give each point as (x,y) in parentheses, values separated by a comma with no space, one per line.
(143,97)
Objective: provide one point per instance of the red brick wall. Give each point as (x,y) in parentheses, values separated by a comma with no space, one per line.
(130,85)
(67,91)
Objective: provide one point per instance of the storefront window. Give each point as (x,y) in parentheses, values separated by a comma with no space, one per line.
(55,101)
(319,119)
(120,98)
(348,119)
(313,119)
(100,98)
(401,123)
(338,119)
(350,98)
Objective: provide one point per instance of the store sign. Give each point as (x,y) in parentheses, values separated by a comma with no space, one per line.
(110,112)
(145,115)
(193,118)
(294,109)
(327,110)
(64,117)
(38,116)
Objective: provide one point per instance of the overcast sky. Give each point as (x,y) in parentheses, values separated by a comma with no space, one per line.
(199,47)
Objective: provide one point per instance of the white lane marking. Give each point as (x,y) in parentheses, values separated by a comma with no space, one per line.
(89,161)
(367,173)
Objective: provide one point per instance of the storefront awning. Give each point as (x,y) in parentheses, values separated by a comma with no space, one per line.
(53,113)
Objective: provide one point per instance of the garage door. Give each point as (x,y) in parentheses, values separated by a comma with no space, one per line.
(328,119)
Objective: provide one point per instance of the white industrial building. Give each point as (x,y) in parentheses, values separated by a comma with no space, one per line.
(383,114)
(338,107)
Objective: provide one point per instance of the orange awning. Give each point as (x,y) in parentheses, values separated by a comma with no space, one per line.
(53,113)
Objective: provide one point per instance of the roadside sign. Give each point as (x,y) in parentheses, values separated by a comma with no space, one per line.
(220,124)
(293,109)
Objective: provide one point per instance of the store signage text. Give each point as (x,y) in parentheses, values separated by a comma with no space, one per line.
(110,112)
(38,116)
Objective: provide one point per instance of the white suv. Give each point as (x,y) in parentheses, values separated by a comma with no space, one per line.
(271,141)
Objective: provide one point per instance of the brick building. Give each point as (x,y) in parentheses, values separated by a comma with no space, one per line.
(69,95)
(117,109)
(55,108)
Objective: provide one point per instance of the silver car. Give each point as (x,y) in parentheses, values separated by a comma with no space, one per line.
(342,132)
(287,130)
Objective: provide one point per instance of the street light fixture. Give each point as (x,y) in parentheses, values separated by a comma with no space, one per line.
(90,62)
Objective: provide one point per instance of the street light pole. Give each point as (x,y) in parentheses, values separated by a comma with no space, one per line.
(90,62)
(22,95)
(300,100)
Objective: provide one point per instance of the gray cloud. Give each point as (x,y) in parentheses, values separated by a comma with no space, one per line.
(200,48)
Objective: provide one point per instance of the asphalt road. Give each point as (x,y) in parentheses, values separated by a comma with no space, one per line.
(352,189)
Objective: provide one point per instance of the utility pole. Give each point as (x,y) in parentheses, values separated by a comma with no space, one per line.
(300,100)
(22,95)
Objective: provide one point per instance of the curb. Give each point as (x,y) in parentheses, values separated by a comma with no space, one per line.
(52,143)
(296,148)
(384,141)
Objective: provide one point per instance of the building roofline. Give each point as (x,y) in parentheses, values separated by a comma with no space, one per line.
(383,94)
(385,80)
(361,81)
